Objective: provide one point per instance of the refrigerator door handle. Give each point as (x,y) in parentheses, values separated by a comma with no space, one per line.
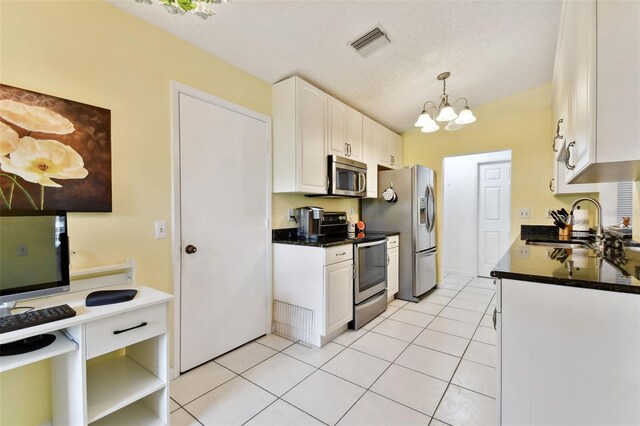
(431,208)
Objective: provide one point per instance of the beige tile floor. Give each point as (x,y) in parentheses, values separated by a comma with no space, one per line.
(427,363)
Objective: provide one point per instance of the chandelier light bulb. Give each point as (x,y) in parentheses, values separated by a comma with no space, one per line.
(431,126)
(453,125)
(446,114)
(465,116)
(423,119)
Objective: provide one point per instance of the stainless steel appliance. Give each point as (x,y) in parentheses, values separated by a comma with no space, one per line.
(309,221)
(370,279)
(347,177)
(410,210)
(334,225)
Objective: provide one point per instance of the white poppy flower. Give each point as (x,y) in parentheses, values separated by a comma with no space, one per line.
(35,118)
(8,139)
(39,161)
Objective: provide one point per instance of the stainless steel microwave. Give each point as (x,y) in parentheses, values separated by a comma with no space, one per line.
(347,177)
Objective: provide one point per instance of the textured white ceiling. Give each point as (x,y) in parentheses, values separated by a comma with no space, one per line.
(493,49)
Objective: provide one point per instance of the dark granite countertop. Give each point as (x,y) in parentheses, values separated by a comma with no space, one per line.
(619,271)
(289,236)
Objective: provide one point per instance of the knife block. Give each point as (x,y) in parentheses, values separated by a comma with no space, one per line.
(565,233)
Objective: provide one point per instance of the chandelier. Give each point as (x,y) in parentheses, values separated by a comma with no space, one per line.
(199,8)
(444,112)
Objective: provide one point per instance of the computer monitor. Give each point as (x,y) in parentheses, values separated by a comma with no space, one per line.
(34,255)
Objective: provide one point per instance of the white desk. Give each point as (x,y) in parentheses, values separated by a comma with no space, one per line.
(129,387)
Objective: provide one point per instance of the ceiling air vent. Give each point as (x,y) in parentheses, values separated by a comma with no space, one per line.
(371,42)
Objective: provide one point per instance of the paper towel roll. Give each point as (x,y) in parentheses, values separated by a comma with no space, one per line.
(580,220)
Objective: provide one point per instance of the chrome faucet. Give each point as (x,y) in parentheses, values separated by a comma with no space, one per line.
(599,229)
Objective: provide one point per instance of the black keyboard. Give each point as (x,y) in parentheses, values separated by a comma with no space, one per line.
(35,317)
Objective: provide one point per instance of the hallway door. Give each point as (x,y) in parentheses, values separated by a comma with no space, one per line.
(494,201)
(224,210)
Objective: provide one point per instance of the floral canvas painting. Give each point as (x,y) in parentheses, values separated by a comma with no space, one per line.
(54,153)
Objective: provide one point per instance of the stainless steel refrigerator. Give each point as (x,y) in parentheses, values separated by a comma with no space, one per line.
(406,204)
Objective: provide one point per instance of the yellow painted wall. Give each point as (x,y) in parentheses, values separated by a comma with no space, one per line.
(283,202)
(91,52)
(520,123)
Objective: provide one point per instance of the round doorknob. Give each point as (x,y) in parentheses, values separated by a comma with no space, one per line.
(190,249)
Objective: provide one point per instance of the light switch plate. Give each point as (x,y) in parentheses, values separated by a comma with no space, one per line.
(161,229)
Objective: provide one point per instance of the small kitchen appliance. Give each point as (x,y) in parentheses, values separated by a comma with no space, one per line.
(309,221)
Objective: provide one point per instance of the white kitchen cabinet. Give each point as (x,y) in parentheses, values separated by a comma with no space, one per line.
(389,149)
(563,131)
(345,130)
(393,271)
(567,355)
(371,132)
(299,138)
(396,151)
(338,287)
(320,280)
(601,62)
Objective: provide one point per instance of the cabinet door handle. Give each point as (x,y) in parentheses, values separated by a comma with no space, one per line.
(495,313)
(349,145)
(551,184)
(346,149)
(341,254)
(391,160)
(142,324)
(388,260)
(353,271)
(557,134)
(567,156)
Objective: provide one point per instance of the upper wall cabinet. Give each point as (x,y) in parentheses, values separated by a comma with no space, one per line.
(299,138)
(308,125)
(371,132)
(396,151)
(390,149)
(597,68)
(345,130)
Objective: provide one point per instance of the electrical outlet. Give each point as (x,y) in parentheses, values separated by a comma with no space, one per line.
(290,216)
(525,213)
(523,251)
(161,229)
(548,213)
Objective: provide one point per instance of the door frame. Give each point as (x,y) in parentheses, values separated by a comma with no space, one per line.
(460,211)
(176,230)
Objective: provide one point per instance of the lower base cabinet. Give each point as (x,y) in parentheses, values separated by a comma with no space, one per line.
(567,355)
(319,280)
(393,270)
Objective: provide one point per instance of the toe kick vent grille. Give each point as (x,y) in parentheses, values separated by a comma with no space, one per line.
(371,42)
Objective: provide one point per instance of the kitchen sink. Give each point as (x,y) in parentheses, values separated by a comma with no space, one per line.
(559,244)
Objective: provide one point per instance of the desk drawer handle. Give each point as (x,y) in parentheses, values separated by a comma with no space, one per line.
(130,328)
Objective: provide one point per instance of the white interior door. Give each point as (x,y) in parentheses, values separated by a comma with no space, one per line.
(494,193)
(224,210)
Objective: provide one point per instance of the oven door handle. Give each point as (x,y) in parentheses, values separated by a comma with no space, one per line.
(372,243)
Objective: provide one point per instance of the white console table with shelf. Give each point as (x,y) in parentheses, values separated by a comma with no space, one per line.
(130,385)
